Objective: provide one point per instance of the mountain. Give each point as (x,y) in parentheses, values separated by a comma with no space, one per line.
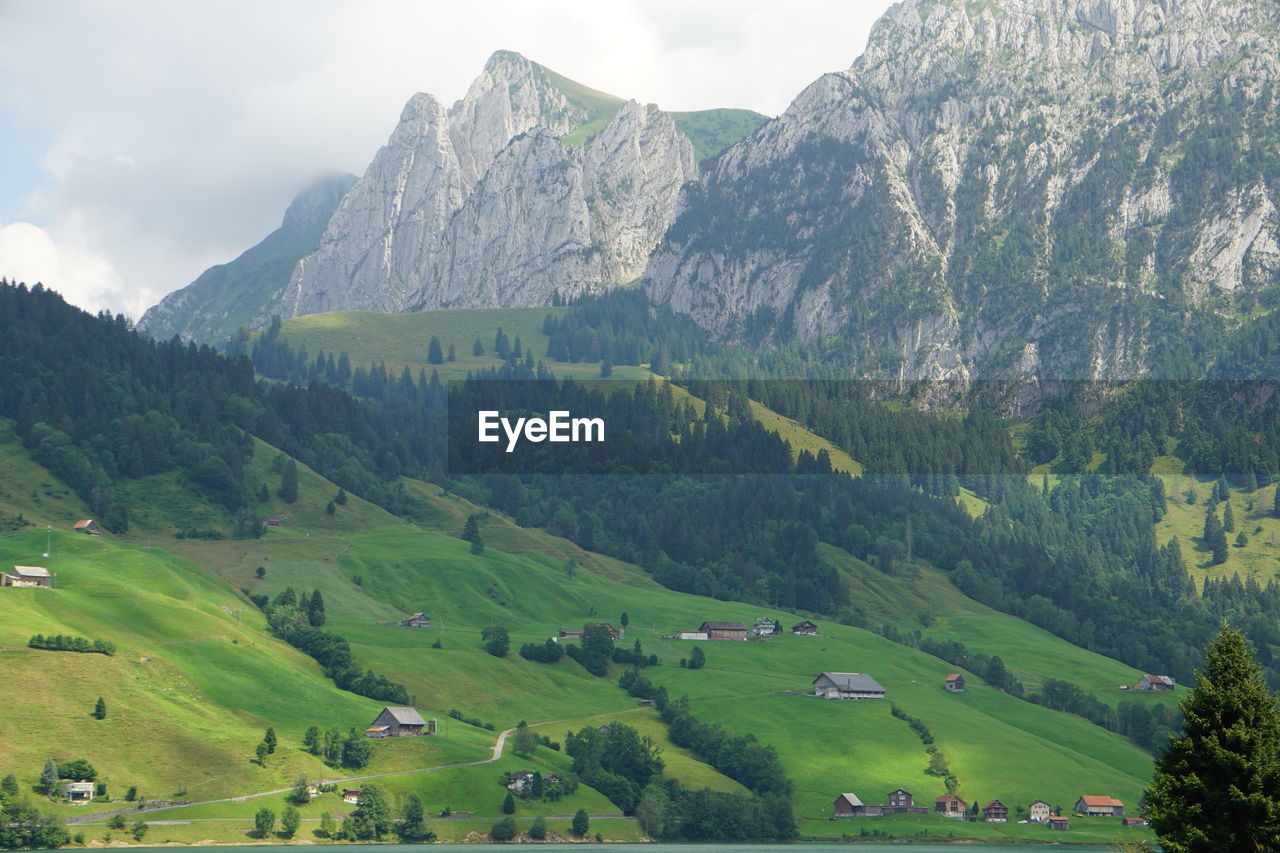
(1051,188)
(228,296)
(530,187)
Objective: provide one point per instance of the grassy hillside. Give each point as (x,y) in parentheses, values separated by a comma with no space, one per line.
(186,706)
(712,131)
(400,340)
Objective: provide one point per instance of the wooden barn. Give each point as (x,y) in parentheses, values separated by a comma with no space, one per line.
(723,630)
(398,722)
(88,526)
(848,805)
(955,683)
(805,629)
(1155,682)
(417,620)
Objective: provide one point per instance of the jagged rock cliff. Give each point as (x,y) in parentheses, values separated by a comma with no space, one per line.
(228,296)
(1052,188)
(488,203)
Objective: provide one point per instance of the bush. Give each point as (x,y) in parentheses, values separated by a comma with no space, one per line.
(503,830)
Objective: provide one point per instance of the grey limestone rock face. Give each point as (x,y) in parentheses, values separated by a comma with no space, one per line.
(1017,188)
(484,205)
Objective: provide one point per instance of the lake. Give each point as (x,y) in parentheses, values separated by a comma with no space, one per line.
(853,847)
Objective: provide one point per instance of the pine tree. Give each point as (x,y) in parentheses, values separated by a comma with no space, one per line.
(315,609)
(413,827)
(1275,505)
(581,823)
(453,353)
(289,482)
(435,355)
(501,346)
(477,349)
(312,740)
(1228,519)
(477,545)
(517,348)
(341,497)
(471,529)
(1214,536)
(1217,787)
(49,777)
(100,709)
(270,740)
(509,804)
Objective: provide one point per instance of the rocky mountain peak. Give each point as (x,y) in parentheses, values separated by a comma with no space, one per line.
(1004,187)
(312,207)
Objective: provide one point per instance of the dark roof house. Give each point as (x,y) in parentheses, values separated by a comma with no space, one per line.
(805,629)
(847,685)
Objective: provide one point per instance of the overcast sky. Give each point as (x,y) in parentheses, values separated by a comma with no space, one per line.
(141,142)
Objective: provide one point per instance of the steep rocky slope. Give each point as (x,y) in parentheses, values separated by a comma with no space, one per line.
(484,203)
(1065,188)
(227,296)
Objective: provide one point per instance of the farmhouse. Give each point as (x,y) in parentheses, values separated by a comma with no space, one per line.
(955,683)
(901,802)
(398,722)
(351,795)
(847,685)
(521,782)
(724,630)
(805,629)
(848,805)
(1155,682)
(950,805)
(1056,822)
(995,812)
(764,627)
(33,576)
(1105,806)
(77,792)
(1039,811)
(89,526)
(417,620)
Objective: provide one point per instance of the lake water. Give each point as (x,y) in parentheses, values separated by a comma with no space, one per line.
(852,847)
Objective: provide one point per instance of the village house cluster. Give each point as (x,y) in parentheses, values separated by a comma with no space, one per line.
(949,805)
(763,628)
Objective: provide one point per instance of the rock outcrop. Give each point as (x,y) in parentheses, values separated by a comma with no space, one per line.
(486,204)
(1053,188)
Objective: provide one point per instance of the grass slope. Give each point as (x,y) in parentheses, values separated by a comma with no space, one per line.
(712,131)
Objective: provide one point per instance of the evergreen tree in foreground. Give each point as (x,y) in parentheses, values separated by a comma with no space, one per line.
(100,709)
(1217,788)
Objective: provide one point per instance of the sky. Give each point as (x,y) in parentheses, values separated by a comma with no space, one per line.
(142,142)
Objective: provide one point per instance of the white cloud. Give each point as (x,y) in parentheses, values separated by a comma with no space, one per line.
(178,132)
(28,254)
